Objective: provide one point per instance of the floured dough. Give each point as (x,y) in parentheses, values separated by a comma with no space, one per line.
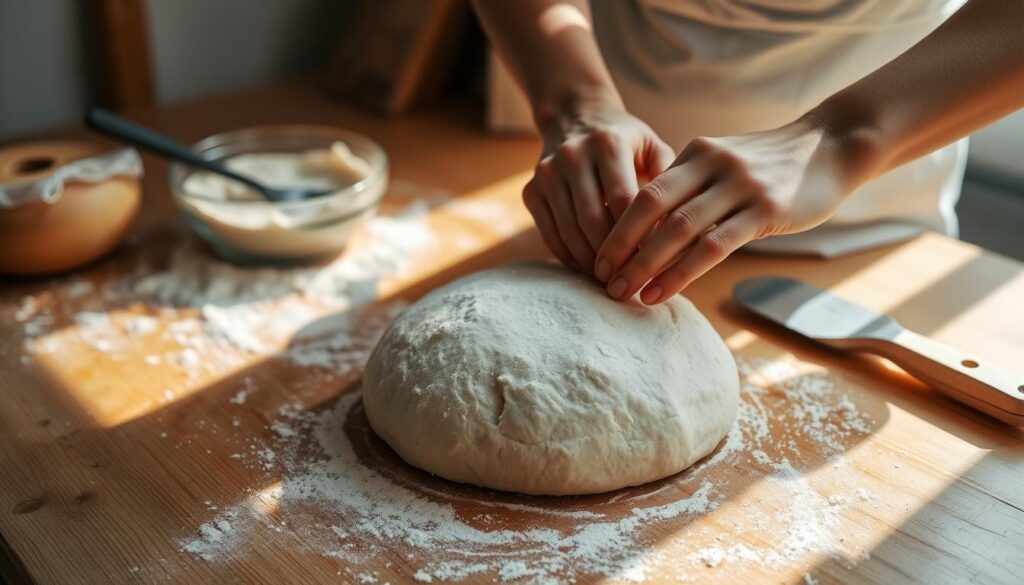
(528,378)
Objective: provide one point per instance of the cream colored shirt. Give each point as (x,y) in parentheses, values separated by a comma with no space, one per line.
(722,67)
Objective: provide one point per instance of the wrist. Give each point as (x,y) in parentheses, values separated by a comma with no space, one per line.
(852,131)
(558,113)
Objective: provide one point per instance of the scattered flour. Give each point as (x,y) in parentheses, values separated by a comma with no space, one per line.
(337,486)
(217,313)
(142,325)
(267,456)
(283,430)
(79,288)
(188,358)
(248,387)
(27,309)
(215,536)
(334,503)
(93,320)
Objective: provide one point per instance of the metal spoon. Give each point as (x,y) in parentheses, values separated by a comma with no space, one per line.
(109,123)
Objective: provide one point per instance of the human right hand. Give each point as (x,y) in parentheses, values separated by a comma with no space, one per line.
(724,192)
(589,172)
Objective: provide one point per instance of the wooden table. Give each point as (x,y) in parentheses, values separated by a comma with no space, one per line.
(102,476)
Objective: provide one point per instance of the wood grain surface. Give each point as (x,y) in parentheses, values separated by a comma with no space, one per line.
(102,477)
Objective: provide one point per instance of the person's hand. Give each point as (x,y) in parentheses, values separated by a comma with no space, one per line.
(586,178)
(719,194)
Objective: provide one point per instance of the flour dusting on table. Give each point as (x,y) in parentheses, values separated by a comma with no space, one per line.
(323,485)
(352,506)
(214,316)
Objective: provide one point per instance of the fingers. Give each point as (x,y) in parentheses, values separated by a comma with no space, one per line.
(585,184)
(617,173)
(575,164)
(656,158)
(563,211)
(663,158)
(710,249)
(678,230)
(538,208)
(665,193)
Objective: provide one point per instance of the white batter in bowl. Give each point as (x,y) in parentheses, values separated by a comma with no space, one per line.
(244,227)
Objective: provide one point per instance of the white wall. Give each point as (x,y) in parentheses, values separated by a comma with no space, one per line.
(42,64)
(197,47)
(203,46)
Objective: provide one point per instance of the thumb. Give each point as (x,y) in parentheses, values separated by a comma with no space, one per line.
(657,157)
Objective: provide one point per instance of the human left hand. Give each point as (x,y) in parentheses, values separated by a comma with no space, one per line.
(719,194)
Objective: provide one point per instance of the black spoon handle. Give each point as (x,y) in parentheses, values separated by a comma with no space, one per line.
(111,124)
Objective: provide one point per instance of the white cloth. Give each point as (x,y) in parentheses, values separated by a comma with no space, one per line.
(92,169)
(722,67)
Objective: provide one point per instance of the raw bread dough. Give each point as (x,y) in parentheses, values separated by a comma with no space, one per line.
(528,378)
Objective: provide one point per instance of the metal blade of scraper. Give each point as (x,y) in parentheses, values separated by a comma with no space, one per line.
(841,324)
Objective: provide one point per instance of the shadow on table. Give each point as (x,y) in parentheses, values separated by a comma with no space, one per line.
(731,476)
(926,312)
(972,531)
(168,492)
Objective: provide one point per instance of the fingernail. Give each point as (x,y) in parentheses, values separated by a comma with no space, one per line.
(651,295)
(603,269)
(618,287)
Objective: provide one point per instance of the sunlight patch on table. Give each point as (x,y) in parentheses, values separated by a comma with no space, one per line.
(925,260)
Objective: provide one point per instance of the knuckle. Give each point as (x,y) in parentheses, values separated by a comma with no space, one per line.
(605,141)
(730,160)
(702,144)
(543,170)
(651,197)
(617,205)
(591,217)
(680,222)
(567,155)
(715,244)
(619,194)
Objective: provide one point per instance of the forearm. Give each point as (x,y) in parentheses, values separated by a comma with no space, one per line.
(967,73)
(550,48)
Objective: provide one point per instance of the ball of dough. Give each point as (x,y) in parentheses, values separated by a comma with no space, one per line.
(528,378)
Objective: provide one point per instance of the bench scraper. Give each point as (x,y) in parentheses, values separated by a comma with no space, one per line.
(844,325)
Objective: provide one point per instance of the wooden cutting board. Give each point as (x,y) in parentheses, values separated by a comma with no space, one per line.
(843,469)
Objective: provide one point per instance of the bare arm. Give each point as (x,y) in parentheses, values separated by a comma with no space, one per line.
(724,192)
(550,49)
(966,74)
(593,149)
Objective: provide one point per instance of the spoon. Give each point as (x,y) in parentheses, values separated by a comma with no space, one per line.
(109,123)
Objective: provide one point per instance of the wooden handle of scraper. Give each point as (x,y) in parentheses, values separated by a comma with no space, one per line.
(969,379)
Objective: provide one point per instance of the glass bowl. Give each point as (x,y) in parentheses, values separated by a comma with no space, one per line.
(292,232)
